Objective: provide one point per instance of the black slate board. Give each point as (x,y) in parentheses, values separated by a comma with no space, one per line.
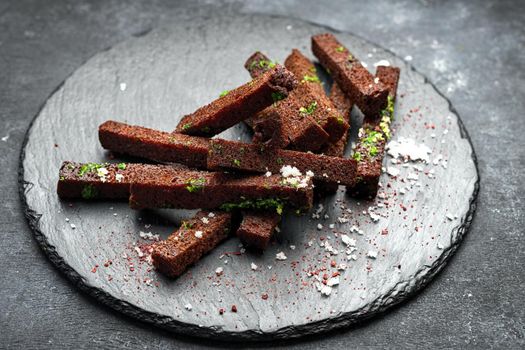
(173,70)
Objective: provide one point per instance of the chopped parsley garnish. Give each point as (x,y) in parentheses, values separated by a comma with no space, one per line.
(385,126)
(224,93)
(340,120)
(121,166)
(186,126)
(369,141)
(340,49)
(89,167)
(280,161)
(266,64)
(217,148)
(195,185)
(309,109)
(206,129)
(237,162)
(311,79)
(389,110)
(373,137)
(357,156)
(387,115)
(89,192)
(260,204)
(186,225)
(350,57)
(277,96)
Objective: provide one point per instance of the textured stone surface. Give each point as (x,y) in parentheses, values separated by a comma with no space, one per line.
(167,75)
(474,60)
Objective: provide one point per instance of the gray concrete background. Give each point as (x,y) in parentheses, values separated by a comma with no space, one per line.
(472,50)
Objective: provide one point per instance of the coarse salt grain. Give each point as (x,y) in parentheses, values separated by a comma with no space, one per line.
(219,271)
(392,171)
(288,171)
(413,176)
(280,256)
(382,63)
(253,266)
(372,254)
(198,234)
(139,252)
(348,241)
(149,236)
(101,173)
(374,216)
(408,149)
(334,281)
(342,220)
(326,290)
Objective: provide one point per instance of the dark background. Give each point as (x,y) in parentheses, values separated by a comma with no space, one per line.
(472,50)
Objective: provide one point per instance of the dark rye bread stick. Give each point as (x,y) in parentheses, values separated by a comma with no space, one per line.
(157,186)
(286,127)
(297,130)
(257,228)
(239,104)
(337,148)
(389,76)
(373,136)
(312,97)
(304,70)
(190,242)
(356,81)
(101,180)
(256,158)
(152,144)
(96,180)
(344,106)
(166,187)
(341,101)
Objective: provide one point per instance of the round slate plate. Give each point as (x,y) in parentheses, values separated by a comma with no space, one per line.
(154,79)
